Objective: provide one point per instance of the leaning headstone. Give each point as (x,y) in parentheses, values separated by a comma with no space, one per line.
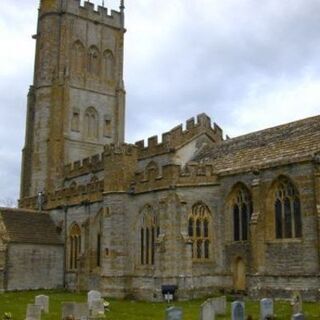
(219,305)
(43,302)
(174,313)
(298,316)
(266,308)
(296,302)
(93,295)
(33,312)
(237,310)
(207,311)
(97,308)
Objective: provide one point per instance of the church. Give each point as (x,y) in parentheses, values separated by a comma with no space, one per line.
(191,209)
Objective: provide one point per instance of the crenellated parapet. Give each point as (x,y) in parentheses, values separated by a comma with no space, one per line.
(123,149)
(172,176)
(88,11)
(85,166)
(177,137)
(73,195)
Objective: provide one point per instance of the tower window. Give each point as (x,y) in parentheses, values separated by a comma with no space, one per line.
(75,121)
(107,129)
(91,123)
(94,61)
(109,65)
(77,58)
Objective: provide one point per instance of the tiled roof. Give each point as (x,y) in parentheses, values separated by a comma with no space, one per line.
(27,226)
(285,143)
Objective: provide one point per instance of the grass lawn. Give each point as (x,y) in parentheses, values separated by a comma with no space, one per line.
(16,302)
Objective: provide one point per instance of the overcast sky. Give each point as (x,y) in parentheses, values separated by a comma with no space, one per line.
(248,64)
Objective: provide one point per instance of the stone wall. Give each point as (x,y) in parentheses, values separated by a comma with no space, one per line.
(32,267)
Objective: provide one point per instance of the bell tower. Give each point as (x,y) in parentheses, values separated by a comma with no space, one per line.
(76,103)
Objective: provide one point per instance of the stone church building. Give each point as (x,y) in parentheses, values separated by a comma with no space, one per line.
(194,210)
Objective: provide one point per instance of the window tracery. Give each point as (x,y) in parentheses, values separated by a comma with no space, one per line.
(198,231)
(287,210)
(241,212)
(149,231)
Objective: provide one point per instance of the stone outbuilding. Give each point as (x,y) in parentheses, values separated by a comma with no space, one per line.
(31,251)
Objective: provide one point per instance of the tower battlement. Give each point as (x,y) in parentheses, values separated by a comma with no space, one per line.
(178,136)
(86,11)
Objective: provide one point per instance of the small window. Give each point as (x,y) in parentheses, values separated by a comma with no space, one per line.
(98,250)
(107,129)
(75,121)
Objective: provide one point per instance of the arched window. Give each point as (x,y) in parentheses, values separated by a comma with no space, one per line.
(74,246)
(149,230)
(91,123)
(287,210)
(77,58)
(241,213)
(198,231)
(93,61)
(108,65)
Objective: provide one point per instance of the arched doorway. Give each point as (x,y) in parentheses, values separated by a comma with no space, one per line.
(239,275)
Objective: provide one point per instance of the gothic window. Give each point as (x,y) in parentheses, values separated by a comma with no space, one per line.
(93,61)
(109,65)
(287,210)
(77,58)
(148,232)
(91,123)
(241,213)
(198,231)
(74,246)
(75,121)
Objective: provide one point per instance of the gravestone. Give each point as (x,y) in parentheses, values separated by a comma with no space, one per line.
(97,308)
(219,305)
(237,310)
(81,310)
(75,310)
(266,308)
(43,302)
(296,302)
(33,312)
(174,313)
(207,312)
(298,316)
(93,295)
